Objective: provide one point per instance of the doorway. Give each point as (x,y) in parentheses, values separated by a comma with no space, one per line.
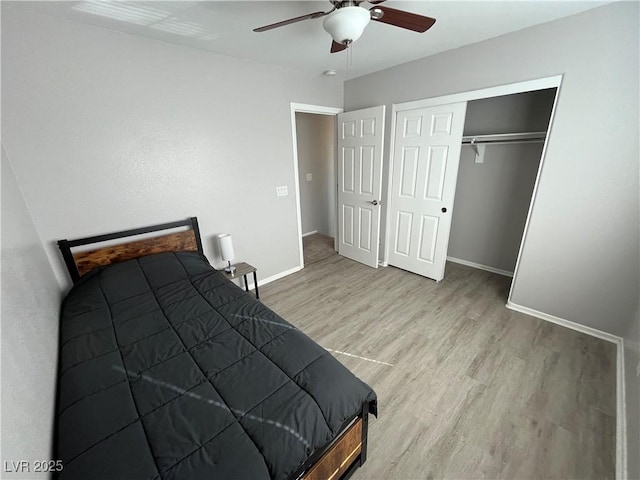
(314,142)
(316,139)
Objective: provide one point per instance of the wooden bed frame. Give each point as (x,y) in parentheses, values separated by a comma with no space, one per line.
(340,458)
(81,262)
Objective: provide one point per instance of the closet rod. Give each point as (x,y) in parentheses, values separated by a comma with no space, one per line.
(501,138)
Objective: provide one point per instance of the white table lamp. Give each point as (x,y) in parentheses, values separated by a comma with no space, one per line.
(226,250)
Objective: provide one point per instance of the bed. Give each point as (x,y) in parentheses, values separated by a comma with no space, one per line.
(168,370)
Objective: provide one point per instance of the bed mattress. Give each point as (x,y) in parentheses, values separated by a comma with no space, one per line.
(169,370)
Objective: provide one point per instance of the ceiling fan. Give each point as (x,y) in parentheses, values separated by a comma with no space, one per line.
(346,21)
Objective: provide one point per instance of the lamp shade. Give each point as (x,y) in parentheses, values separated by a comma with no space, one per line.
(346,24)
(226,247)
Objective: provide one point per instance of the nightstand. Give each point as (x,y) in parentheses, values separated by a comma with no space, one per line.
(242,270)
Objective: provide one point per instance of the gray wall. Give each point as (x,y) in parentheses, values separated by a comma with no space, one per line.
(316,139)
(492,198)
(30,305)
(491,204)
(580,260)
(108,131)
(520,112)
(581,256)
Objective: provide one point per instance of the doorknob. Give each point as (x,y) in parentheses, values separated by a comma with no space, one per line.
(374,202)
(444,209)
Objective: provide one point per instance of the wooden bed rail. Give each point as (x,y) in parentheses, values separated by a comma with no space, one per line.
(344,456)
(81,262)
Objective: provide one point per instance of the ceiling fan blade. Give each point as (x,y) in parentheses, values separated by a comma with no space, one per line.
(290,21)
(376,2)
(402,19)
(337,47)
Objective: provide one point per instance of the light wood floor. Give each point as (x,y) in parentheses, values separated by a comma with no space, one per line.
(317,247)
(467,389)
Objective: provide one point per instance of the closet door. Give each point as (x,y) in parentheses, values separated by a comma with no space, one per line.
(426,155)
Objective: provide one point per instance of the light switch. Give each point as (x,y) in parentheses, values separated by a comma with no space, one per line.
(282,191)
(309,177)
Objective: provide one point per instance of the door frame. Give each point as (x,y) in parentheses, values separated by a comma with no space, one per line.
(497,91)
(319,110)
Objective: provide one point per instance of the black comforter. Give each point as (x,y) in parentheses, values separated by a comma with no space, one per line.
(168,370)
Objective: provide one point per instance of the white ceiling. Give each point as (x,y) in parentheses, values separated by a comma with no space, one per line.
(226,27)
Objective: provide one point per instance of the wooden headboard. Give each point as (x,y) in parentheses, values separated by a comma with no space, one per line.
(81,262)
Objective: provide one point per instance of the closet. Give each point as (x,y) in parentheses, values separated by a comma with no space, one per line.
(502,144)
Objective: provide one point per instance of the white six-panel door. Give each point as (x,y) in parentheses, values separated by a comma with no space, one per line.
(360,142)
(426,155)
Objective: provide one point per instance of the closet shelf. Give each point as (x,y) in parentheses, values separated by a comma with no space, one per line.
(502,138)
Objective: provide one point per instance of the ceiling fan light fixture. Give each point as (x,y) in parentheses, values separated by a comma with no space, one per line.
(346,24)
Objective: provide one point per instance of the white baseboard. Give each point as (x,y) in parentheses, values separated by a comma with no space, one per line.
(621,402)
(280,275)
(594,332)
(506,273)
(270,279)
(621,417)
(310,233)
